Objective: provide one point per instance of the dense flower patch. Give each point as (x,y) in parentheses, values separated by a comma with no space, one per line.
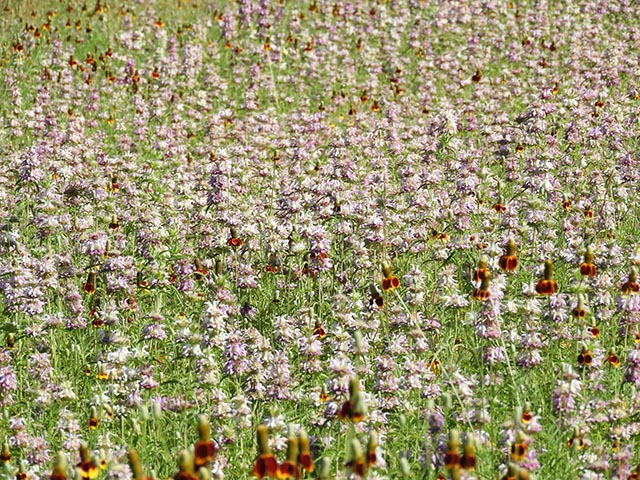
(345,239)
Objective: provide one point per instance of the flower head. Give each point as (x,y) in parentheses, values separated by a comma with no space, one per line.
(547,285)
(482,292)
(59,468)
(89,286)
(354,408)
(304,454)
(266,464)
(234,240)
(357,462)
(509,262)
(587,268)
(87,465)
(519,447)
(631,285)
(468,460)
(389,280)
(452,455)
(289,468)
(205,450)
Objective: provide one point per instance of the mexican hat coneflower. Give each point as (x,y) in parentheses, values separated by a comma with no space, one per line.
(482,292)
(5,454)
(478,274)
(509,262)
(94,420)
(585,357)
(372,446)
(266,464)
(89,286)
(60,467)
(234,240)
(613,359)
(186,469)
(389,280)
(587,267)
(357,462)
(631,285)
(87,465)
(289,468)
(204,450)
(452,454)
(318,330)
(354,408)
(468,460)
(575,441)
(519,447)
(304,455)
(375,296)
(547,285)
(201,270)
(579,312)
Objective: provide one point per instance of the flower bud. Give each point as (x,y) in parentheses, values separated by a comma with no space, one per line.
(447,401)
(135,425)
(324,469)
(60,467)
(403,420)
(5,455)
(185,462)
(156,409)
(357,462)
(357,338)
(144,413)
(405,470)
(204,473)
(304,457)
(204,428)
(136,465)
(372,445)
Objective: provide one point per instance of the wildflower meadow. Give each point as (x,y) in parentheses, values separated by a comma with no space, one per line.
(332,239)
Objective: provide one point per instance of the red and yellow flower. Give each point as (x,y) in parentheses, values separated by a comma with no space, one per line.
(354,408)
(204,450)
(509,262)
(89,286)
(631,285)
(547,285)
(266,464)
(482,292)
(389,280)
(587,267)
